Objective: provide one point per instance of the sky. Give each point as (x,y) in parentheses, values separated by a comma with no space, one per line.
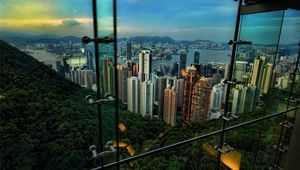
(179,19)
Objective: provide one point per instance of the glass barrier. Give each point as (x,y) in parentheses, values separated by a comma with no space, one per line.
(172,59)
(45,75)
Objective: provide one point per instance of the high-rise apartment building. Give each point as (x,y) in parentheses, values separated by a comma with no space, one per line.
(133,94)
(180,92)
(175,69)
(256,72)
(170,106)
(163,83)
(107,76)
(183,58)
(217,96)
(144,70)
(200,105)
(128,49)
(267,77)
(243,99)
(240,69)
(189,81)
(197,57)
(122,82)
(146,98)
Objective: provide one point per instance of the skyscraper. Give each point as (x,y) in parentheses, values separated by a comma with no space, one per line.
(107,76)
(243,100)
(144,65)
(235,100)
(146,98)
(183,57)
(133,94)
(256,72)
(90,57)
(170,106)
(240,69)
(196,57)
(175,68)
(267,77)
(122,81)
(88,78)
(217,97)
(200,101)
(128,49)
(163,83)
(179,92)
(189,81)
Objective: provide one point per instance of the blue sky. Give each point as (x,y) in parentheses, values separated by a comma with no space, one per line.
(179,19)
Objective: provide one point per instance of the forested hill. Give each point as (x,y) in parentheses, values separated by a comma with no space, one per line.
(45,122)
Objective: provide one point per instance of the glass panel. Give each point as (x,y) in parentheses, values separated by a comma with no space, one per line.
(107,77)
(286,70)
(45,121)
(172,57)
(254,95)
(269,136)
(242,144)
(196,155)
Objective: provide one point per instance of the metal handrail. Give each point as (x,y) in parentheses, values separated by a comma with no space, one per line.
(165,148)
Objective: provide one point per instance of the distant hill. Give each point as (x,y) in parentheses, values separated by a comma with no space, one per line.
(155,39)
(23,39)
(45,122)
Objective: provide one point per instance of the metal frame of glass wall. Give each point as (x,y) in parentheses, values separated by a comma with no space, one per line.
(221,132)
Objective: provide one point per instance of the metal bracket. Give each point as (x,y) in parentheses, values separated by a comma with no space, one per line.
(239,42)
(282,148)
(230,116)
(108,98)
(287,124)
(233,82)
(225,148)
(111,150)
(105,40)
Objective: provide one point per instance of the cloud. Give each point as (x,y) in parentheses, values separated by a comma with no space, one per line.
(70,22)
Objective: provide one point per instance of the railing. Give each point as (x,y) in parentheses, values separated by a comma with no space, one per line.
(172,146)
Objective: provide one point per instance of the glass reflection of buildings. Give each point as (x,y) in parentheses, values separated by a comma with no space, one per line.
(187,94)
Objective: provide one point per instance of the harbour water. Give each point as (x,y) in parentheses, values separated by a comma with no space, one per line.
(206,56)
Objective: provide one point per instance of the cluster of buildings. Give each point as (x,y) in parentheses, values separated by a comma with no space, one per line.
(183,94)
(192,94)
(195,93)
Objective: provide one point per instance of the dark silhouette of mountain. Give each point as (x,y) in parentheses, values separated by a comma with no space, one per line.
(155,39)
(23,39)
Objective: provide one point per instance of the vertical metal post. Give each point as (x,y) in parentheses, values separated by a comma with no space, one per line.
(277,47)
(95,26)
(287,107)
(116,79)
(229,78)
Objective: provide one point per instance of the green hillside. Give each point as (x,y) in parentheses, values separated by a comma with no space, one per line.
(45,122)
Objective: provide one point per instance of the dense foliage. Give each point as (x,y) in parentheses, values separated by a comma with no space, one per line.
(45,122)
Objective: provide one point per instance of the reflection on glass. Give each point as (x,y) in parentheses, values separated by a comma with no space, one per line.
(171,68)
(254,94)
(107,79)
(190,156)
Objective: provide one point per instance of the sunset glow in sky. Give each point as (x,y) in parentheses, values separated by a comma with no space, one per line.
(181,20)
